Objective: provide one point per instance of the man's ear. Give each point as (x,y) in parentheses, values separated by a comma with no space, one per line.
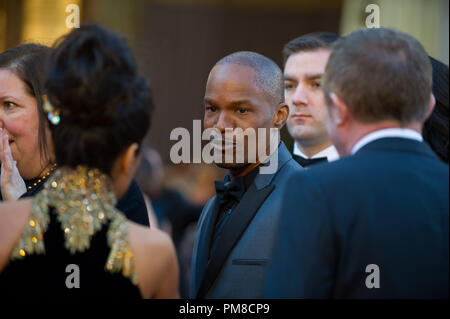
(430,106)
(129,158)
(339,110)
(281,115)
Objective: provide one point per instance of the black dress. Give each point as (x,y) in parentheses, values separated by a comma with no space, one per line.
(39,276)
(73,223)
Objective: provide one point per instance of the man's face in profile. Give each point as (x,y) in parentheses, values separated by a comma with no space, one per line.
(307,111)
(233,100)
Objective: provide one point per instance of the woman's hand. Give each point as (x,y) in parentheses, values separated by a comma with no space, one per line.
(11,183)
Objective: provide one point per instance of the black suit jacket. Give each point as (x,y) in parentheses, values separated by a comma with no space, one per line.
(387,205)
(237,267)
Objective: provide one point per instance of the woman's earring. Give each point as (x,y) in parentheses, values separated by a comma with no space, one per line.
(52,113)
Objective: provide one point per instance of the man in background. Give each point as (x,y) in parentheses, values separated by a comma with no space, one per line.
(305,59)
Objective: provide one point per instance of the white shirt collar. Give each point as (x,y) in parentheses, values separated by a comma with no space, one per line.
(330,153)
(389,132)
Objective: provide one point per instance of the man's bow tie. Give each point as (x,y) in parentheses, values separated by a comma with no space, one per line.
(305,162)
(230,189)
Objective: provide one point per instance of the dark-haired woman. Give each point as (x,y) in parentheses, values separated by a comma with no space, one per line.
(69,240)
(436,128)
(23,125)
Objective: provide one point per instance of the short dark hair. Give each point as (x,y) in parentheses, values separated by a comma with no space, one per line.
(268,75)
(436,127)
(381,74)
(309,42)
(105,104)
(28,62)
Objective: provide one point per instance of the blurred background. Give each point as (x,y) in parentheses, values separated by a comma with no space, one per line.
(176,43)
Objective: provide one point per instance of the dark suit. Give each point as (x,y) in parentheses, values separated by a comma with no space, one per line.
(237,266)
(386,205)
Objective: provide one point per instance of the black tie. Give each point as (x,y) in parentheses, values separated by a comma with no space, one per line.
(305,162)
(228,193)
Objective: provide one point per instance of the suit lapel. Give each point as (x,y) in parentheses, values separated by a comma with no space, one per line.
(205,232)
(236,225)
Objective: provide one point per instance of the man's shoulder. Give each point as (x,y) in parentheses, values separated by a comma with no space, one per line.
(207,209)
(289,167)
(364,170)
(328,170)
(345,172)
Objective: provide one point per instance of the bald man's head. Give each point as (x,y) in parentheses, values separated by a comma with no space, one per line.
(245,91)
(268,77)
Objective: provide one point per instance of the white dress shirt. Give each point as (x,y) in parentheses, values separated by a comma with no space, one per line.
(389,132)
(330,153)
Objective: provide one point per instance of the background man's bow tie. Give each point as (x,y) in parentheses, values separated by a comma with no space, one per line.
(309,161)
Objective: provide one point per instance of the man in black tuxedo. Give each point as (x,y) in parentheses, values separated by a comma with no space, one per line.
(375,223)
(305,59)
(237,226)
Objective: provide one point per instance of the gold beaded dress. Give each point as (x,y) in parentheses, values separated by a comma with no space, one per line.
(73,230)
(132,203)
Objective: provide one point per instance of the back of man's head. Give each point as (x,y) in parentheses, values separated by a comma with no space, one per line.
(380,74)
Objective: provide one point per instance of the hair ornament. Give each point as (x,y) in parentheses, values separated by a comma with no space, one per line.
(53,114)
